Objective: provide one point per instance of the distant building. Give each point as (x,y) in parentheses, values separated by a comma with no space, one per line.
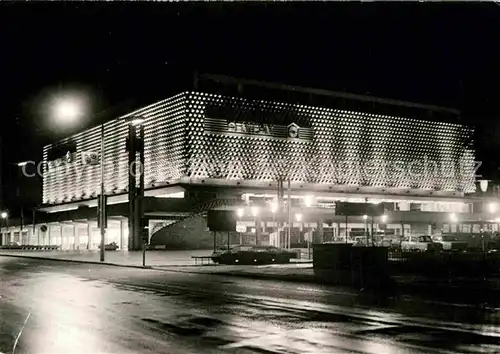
(205,149)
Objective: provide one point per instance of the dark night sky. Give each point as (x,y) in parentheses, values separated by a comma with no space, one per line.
(128,54)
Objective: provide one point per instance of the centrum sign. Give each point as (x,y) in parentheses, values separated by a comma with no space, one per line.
(251,128)
(225,127)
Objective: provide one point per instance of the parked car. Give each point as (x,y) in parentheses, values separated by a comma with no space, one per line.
(420,243)
(253,255)
(110,246)
(387,242)
(450,243)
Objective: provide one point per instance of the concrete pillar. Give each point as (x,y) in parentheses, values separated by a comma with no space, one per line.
(123,234)
(50,229)
(429,228)
(258,231)
(89,235)
(64,241)
(76,238)
(319,232)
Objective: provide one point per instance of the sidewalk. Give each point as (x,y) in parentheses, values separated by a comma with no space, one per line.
(298,272)
(125,258)
(122,258)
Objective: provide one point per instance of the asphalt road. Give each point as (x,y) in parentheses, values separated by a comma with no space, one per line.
(57,307)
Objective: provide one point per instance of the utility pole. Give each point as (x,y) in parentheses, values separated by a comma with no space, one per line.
(144,230)
(132,188)
(281,242)
(289,205)
(102,206)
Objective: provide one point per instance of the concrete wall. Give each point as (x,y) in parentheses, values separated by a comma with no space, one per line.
(186,234)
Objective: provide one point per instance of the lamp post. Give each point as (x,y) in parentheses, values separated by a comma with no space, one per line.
(102,205)
(298,218)
(67,109)
(383,220)
(492,208)
(274,208)
(4,215)
(365,219)
(307,204)
(255,213)
(21,166)
(240,213)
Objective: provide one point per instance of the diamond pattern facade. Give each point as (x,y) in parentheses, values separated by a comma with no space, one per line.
(193,135)
(347,148)
(164,145)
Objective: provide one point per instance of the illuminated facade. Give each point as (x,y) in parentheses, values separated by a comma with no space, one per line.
(238,147)
(201,136)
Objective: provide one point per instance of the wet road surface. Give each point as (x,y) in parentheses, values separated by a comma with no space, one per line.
(57,307)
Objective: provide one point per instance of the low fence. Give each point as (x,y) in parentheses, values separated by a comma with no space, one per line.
(30,247)
(303,253)
(343,264)
(444,265)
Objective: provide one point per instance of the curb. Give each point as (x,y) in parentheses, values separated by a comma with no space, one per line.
(172,269)
(72,261)
(94,262)
(295,279)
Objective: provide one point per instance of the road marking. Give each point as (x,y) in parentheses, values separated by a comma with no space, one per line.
(20,332)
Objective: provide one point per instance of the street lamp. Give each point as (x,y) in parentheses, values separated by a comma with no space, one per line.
(255,212)
(240,212)
(4,216)
(66,110)
(21,171)
(383,219)
(274,209)
(308,200)
(365,218)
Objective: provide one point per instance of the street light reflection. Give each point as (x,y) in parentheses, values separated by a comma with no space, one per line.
(52,328)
